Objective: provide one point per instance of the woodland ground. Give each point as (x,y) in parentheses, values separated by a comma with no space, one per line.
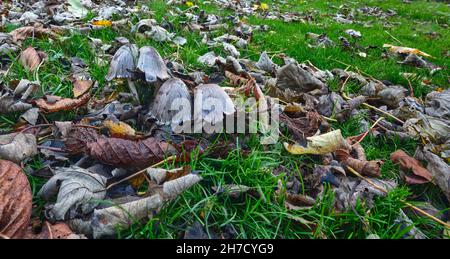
(259,218)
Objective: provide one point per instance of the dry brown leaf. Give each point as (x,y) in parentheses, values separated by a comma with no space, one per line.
(80,87)
(367,168)
(302,127)
(420,174)
(116,151)
(30,58)
(120,129)
(22,33)
(15,200)
(50,103)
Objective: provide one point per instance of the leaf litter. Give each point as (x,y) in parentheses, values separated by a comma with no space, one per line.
(118,145)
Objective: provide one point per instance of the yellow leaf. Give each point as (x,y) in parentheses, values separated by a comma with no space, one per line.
(119,129)
(264,6)
(320,144)
(405,50)
(105,23)
(189,4)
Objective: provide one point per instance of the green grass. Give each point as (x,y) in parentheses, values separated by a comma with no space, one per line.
(251,217)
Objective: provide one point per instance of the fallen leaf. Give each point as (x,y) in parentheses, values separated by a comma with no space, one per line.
(51,103)
(160,175)
(104,23)
(320,144)
(80,87)
(119,129)
(23,33)
(420,174)
(15,200)
(17,146)
(405,50)
(59,230)
(439,169)
(76,188)
(30,58)
(368,168)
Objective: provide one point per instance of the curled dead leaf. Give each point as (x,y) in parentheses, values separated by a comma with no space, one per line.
(22,33)
(30,58)
(17,146)
(80,87)
(119,129)
(320,144)
(51,103)
(420,174)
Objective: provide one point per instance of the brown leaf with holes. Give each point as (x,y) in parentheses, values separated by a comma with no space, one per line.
(15,200)
(23,33)
(368,168)
(51,103)
(420,175)
(30,58)
(116,151)
(80,87)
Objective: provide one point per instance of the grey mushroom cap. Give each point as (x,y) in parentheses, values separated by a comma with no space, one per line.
(172,103)
(211,102)
(152,65)
(123,64)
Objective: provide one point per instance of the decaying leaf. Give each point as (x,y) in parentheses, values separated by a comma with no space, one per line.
(80,87)
(22,33)
(160,175)
(17,146)
(30,58)
(105,222)
(439,169)
(405,50)
(438,104)
(59,230)
(76,188)
(320,144)
(420,174)
(303,126)
(15,200)
(294,78)
(211,102)
(116,151)
(351,190)
(432,129)
(9,104)
(119,129)
(51,103)
(152,65)
(369,168)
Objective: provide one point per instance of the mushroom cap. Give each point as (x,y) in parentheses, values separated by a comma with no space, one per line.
(152,65)
(123,64)
(211,102)
(172,103)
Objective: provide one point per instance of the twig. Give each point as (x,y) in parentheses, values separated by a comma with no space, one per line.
(36,126)
(55,149)
(447,225)
(411,89)
(367,132)
(140,172)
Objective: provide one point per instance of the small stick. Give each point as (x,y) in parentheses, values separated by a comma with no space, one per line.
(55,149)
(36,126)
(140,172)
(411,89)
(447,225)
(367,132)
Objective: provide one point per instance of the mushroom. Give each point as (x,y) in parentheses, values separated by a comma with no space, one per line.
(210,103)
(123,65)
(172,103)
(152,65)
